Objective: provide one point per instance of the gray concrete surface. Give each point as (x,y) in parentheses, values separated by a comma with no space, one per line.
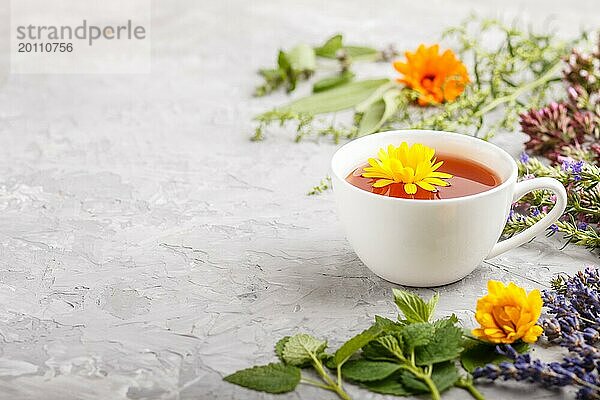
(148,248)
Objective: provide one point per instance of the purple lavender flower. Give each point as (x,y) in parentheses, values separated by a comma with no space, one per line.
(524,157)
(553,228)
(582,226)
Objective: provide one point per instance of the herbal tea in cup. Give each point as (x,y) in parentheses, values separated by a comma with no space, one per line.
(434,176)
(425,208)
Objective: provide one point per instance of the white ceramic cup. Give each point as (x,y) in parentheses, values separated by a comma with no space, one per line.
(433,242)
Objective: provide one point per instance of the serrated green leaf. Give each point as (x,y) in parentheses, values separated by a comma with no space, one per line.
(336,99)
(331,82)
(271,378)
(367,371)
(445,345)
(387,325)
(390,385)
(417,334)
(301,348)
(330,47)
(479,354)
(413,307)
(356,343)
(279,346)
(302,58)
(444,375)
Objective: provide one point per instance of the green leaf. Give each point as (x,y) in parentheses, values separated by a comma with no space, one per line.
(387,325)
(444,376)
(377,115)
(479,354)
(301,348)
(302,58)
(390,385)
(367,371)
(417,334)
(371,117)
(336,99)
(356,343)
(332,81)
(280,345)
(445,345)
(330,48)
(413,307)
(361,52)
(271,378)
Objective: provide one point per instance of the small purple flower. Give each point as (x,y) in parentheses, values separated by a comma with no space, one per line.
(582,226)
(535,212)
(524,158)
(553,228)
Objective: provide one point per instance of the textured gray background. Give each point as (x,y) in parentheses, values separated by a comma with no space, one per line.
(147,247)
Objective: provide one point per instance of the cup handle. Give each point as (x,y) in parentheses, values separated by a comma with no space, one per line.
(521,189)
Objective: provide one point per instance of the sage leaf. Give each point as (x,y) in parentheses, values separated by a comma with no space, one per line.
(366,371)
(271,378)
(333,81)
(413,307)
(479,354)
(301,348)
(445,345)
(330,47)
(370,118)
(361,53)
(302,58)
(336,99)
(379,113)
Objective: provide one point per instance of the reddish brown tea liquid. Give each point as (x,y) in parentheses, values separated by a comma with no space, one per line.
(469,177)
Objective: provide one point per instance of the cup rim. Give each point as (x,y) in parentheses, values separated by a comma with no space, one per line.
(507,182)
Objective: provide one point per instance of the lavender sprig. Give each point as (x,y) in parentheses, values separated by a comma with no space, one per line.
(553,374)
(573,323)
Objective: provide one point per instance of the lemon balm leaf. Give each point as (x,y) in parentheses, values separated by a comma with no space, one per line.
(445,345)
(302,348)
(279,346)
(417,334)
(271,378)
(367,371)
(356,343)
(413,307)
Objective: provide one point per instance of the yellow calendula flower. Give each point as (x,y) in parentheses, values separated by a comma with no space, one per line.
(508,313)
(414,166)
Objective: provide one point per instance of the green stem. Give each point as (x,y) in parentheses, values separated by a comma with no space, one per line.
(467,385)
(418,373)
(315,383)
(549,75)
(334,387)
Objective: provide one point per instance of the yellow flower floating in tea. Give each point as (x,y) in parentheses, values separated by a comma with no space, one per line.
(507,314)
(414,166)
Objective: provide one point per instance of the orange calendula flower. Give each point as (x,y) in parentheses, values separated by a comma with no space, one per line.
(413,166)
(437,77)
(508,313)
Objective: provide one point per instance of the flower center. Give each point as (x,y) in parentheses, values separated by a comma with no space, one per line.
(427,81)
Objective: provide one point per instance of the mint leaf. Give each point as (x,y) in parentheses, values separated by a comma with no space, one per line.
(445,345)
(413,307)
(417,334)
(444,376)
(271,378)
(387,325)
(279,346)
(377,352)
(356,343)
(390,385)
(367,371)
(479,354)
(301,348)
